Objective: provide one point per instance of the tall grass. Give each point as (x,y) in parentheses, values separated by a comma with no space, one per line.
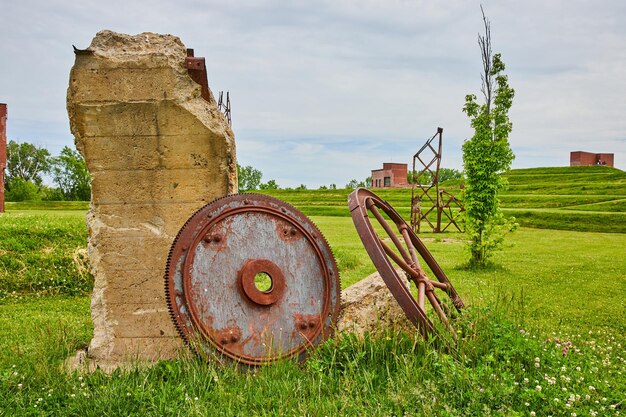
(496,368)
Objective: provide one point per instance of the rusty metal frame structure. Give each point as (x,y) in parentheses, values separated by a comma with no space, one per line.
(196,67)
(224,106)
(442,202)
(402,256)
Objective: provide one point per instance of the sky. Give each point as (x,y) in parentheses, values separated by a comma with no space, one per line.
(325,91)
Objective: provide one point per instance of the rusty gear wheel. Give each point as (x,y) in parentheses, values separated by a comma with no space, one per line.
(252,279)
(402,257)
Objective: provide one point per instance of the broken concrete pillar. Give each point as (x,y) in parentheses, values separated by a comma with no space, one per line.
(369,307)
(156,151)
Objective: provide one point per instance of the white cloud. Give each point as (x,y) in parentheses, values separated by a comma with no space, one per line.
(326,91)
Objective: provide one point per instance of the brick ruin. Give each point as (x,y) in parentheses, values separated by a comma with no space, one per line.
(157,151)
(580,158)
(392,175)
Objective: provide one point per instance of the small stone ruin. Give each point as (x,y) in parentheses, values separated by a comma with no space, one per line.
(157,151)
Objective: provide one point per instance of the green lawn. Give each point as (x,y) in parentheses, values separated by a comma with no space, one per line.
(544,331)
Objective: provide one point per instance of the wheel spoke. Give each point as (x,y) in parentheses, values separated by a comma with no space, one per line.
(421,290)
(434,301)
(415,274)
(407,240)
(391,233)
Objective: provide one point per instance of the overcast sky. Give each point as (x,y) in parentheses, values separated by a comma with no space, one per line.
(325,91)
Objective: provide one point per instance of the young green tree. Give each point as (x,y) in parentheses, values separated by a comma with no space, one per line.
(487,155)
(249,178)
(70,174)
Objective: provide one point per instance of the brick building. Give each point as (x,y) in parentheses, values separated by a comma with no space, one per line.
(3,151)
(580,158)
(390,176)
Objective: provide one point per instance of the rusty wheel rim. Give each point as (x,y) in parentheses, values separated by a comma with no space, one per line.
(214,300)
(366,207)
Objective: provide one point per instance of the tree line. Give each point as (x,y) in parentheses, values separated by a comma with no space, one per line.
(28,164)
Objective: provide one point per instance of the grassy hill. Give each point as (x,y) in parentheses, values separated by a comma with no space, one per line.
(589,199)
(566,198)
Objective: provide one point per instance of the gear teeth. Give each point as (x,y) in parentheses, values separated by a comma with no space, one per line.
(297,216)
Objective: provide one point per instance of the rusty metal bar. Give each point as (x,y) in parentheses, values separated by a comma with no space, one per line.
(196,67)
(409,245)
(417,274)
(421,289)
(224,106)
(421,193)
(390,232)
(434,301)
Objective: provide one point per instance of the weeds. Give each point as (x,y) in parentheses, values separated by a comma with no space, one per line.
(498,368)
(42,254)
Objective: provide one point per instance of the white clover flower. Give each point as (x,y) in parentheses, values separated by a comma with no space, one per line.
(538,388)
(532,414)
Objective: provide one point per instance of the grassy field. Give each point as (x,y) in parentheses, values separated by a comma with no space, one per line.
(544,334)
(591,199)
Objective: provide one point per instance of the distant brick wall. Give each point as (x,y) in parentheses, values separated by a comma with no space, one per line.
(580,158)
(391,176)
(606,159)
(3,151)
